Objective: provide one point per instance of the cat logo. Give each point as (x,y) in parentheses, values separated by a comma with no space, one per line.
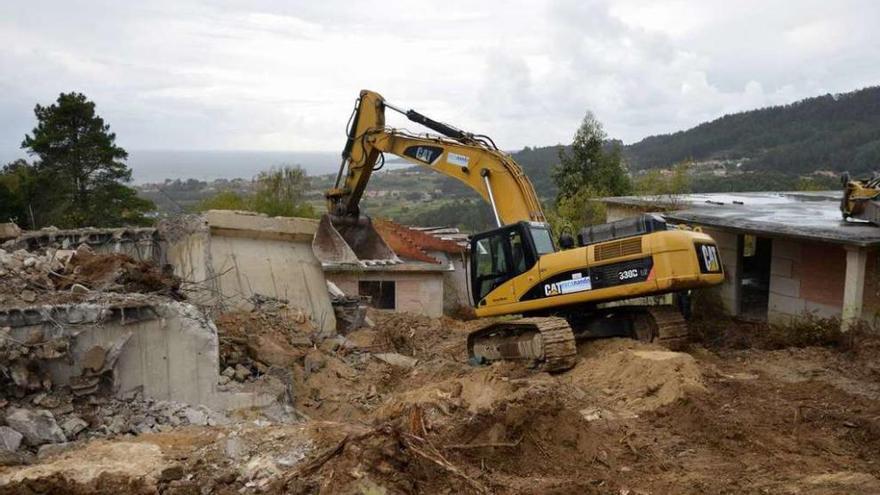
(708,257)
(578,283)
(424,154)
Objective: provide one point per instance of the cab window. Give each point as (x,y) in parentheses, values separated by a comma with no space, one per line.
(498,257)
(542,239)
(490,265)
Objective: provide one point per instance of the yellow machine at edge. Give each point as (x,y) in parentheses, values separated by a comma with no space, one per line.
(564,292)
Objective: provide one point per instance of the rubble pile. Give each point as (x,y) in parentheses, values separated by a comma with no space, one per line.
(19,373)
(251,342)
(49,422)
(63,276)
(350,311)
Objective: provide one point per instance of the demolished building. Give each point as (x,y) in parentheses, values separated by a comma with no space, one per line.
(427,277)
(234,260)
(116,325)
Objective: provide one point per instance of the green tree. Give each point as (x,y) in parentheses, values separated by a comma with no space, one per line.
(278,192)
(224,200)
(20,198)
(666,189)
(575,212)
(808,184)
(281,192)
(81,167)
(589,164)
(589,170)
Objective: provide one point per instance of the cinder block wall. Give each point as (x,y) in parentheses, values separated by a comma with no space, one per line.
(805,277)
(418,293)
(619,212)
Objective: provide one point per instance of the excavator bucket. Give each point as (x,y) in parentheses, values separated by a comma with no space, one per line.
(348,241)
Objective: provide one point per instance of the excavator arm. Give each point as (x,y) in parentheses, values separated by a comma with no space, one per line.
(472,159)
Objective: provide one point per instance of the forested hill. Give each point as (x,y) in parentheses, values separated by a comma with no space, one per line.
(831,132)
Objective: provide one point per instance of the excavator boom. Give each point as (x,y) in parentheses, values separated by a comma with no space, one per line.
(347,237)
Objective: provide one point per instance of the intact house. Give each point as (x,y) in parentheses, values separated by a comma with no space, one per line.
(430,280)
(785,254)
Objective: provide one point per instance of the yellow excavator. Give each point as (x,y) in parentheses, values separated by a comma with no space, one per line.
(561,290)
(861,198)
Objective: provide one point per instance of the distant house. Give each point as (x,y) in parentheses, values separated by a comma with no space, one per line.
(785,254)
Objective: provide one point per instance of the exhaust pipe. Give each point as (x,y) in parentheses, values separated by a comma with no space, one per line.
(345,241)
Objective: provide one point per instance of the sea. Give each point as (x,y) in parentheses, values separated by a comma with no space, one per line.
(150,166)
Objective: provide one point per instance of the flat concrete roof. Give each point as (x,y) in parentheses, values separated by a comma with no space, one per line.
(801,215)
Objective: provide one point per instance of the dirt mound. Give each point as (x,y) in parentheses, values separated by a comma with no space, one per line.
(633,377)
(833,483)
(421,336)
(630,418)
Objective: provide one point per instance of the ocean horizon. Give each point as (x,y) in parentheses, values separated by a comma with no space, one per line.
(150,166)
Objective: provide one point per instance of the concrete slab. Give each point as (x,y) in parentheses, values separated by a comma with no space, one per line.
(801,215)
(257,226)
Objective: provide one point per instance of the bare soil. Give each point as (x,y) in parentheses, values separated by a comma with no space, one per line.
(630,418)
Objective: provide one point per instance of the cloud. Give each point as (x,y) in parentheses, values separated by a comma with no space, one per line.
(279,75)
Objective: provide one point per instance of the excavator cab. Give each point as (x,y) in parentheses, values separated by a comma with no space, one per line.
(501,254)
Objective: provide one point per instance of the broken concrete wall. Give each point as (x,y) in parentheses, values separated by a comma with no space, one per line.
(235,258)
(186,246)
(167,350)
(141,244)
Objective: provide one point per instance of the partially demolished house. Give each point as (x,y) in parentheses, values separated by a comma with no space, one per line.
(427,276)
(238,260)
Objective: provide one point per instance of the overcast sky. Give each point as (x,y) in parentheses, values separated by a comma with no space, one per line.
(283,75)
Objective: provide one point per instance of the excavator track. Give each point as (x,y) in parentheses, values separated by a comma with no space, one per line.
(547,342)
(668,327)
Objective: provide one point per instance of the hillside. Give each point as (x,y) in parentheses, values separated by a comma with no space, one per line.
(830,132)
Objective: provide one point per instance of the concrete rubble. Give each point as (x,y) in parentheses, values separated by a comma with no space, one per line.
(96,344)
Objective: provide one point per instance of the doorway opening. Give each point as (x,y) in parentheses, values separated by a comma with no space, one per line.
(381,293)
(755,279)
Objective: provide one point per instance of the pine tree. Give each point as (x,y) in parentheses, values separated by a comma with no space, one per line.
(81,167)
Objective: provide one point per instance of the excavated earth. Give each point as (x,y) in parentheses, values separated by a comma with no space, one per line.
(397,409)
